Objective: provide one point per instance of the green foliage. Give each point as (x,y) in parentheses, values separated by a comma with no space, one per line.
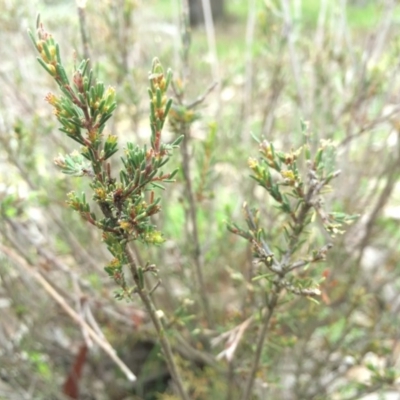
(83,111)
(126,205)
(305,307)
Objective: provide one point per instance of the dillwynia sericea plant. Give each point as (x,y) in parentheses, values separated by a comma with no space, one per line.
(298,198)
(126,202)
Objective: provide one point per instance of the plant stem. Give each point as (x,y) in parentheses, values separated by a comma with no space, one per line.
(148,303)
(195,233)
(77,318)
(230,380)
(185,130)
(260,342)
(84,35)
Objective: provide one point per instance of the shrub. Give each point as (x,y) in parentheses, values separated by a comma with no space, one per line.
(299,309)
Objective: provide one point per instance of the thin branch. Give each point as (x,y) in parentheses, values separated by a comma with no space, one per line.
(248,87)
(233,338)
(155,318)
(185,37)
(81,4)
(101,341)
(260,342)
(76,246)
(197,254)
(201,98)
(210,31)
(230,381)
(198,356)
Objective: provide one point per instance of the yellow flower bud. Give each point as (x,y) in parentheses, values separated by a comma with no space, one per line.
(52,69)
(288,175)
(252,163)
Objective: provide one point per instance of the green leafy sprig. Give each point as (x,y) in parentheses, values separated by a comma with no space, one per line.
(126,202)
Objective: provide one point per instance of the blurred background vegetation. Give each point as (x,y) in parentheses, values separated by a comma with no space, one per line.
(334,64)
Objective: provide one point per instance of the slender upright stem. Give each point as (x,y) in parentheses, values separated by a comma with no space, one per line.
(230,380)
(247,104)
(195,232)
(185,130)
(165,345)
(210,32)
(186,38)
(82,23)
(260,343)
